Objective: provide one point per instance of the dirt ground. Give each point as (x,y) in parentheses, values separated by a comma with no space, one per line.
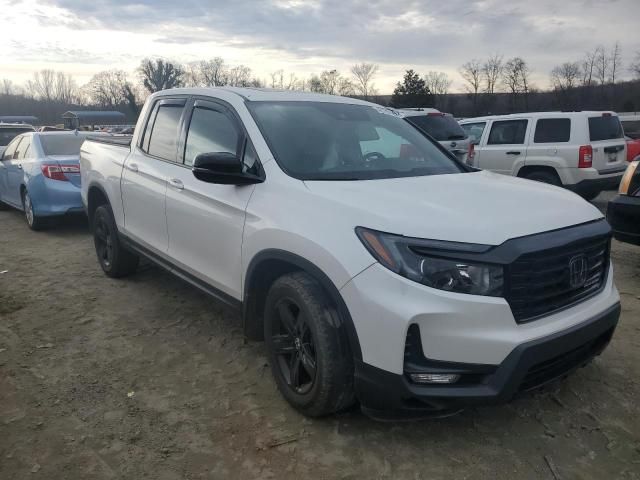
(148,378)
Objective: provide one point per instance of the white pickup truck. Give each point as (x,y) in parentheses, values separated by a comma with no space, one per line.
(374,264)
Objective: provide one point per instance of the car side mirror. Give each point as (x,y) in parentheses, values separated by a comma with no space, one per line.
(223,168)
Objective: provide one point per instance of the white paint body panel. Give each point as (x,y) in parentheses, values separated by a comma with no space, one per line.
(214,232)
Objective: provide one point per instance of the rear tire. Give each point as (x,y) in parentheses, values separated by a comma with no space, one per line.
(34,222)
(3,206)
(116,261)
(590,195)
(544,177)
(308,349)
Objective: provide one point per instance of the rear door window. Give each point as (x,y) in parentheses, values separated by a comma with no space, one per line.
(552,130)
(440,126)
(163,136)
(22,148)
(508,132)
(474,131)
(605,127)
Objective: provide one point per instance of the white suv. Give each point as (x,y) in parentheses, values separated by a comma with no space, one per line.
(375,266)
(582,151)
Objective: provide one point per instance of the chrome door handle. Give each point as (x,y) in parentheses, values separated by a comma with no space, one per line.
(19,166)
(175,183)
(132,166)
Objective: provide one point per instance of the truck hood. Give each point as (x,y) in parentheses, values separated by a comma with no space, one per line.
(478,207)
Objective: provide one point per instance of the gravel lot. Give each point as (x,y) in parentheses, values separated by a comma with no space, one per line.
(148,378)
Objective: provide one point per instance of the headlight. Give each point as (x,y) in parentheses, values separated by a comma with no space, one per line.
(437,264)
(630,181)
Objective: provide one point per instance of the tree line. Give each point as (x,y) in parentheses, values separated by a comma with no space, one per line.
(492,85)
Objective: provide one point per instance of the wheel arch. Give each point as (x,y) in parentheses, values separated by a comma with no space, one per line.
(264,269)
(96,196)
(526,169)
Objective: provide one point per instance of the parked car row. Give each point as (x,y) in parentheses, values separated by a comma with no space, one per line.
(361,243)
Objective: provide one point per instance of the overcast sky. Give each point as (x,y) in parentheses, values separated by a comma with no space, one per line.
(307,36)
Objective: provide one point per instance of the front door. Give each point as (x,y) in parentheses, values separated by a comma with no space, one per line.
(205,220)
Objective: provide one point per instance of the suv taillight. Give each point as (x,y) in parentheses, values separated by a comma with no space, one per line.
(585,156)
(55,171)
(471,154)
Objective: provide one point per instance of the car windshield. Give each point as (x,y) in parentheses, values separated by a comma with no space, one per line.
(439,126)
(8,134)
(61,144)
(337,141)
(605,127)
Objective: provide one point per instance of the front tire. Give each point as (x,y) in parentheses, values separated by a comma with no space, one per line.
(116,261)
(307,346)
(34,222)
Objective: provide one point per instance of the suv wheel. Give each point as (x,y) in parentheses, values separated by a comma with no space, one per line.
(544,177)
(309,355)
(115,260)
(35,223)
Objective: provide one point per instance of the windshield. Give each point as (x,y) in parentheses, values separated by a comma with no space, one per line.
(337,141)
(439,126)
(606,127)
(8,134)
(61,144)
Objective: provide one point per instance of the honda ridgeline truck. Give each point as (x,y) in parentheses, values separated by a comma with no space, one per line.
(376,266)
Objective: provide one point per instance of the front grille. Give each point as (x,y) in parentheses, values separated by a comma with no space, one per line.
(538,283)
(556,367)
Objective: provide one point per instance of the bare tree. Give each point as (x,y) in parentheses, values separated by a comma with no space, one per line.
(588,68)
(601,65)
(277,79)
(491,71)
(471,73)
(345,87)
(7,87)
(363,73)
(634,68)
(42,86)
(239,76)
(160,74)
(329,81)
(566,76)
(616,62)
(438,82)
(107,88)
(213,73)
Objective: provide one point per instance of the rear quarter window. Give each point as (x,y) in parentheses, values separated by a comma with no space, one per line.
(552,130)
(605,127)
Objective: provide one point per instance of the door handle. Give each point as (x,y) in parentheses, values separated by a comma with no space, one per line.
(175,183)
(132,166)
(19,166)
(513,153)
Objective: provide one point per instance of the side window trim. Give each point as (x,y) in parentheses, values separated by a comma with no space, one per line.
(150,123)
(16,152)
(151,118)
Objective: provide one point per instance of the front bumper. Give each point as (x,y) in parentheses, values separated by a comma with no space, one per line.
(383,394)
(623,214)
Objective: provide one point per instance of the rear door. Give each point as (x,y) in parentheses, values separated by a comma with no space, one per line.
(145,174)
(609,146)
(505,145)
(551,143)
(205,220)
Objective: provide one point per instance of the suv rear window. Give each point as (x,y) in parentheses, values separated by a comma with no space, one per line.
(606,127)
(8,134)
(440,127)
(552,130)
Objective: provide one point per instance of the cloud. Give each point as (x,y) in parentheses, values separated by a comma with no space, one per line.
(425,34)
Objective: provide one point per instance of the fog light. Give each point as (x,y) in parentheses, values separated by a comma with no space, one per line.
(434,377)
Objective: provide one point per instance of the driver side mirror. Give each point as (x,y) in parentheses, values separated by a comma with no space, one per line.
(222,168)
